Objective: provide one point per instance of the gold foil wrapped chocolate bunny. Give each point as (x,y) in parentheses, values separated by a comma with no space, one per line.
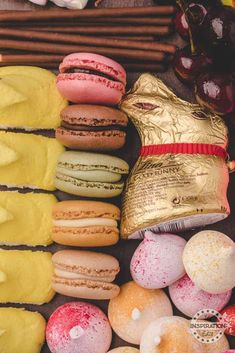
(180,179)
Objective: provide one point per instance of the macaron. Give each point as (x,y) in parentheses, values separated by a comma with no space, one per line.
(78,327)
(189,299)
(170,334)
(209,260)
(92,128)
(124,350)
(157,262)
(91,78)
(90,174)
(85,223)
(135,308)
(85,274)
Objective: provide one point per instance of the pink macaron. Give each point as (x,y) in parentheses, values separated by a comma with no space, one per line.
(157,262)
(91,78)
(78,327)
(189,299)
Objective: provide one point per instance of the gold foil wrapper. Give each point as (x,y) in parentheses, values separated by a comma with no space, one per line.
(173,192)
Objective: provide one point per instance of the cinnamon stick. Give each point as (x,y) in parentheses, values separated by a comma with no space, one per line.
(23,16)
(44,47)
(109,30)
(78,39)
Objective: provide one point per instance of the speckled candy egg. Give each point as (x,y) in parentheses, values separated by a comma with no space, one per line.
(157,262)
(134,308)
(78,327)
(189,299)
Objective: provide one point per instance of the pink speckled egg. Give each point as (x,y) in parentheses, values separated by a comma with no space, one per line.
(157,262)
(78,327)
(189,299)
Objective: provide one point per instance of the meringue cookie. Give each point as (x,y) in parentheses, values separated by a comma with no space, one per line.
(157,262)
(170,334)
(209,260)
(134,308)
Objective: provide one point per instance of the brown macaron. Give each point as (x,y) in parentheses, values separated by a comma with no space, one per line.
(85,274)
(85,223)
(92,128)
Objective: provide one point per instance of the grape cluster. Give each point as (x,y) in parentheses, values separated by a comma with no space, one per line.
(209,61)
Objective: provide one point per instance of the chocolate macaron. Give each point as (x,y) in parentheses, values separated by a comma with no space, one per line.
(85,274)
(92,128)
(85,223)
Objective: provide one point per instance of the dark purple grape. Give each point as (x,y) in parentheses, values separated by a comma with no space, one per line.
(181,25)
(188,66)
(217,33)
(215,92)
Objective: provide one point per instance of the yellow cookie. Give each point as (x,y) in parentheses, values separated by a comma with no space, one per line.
(25,277)
(25,219)
(21,331)
(29,98)
(28,160)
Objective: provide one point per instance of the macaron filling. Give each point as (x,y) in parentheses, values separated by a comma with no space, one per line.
(75,70)
(67,274)
(69,126)
(85,222)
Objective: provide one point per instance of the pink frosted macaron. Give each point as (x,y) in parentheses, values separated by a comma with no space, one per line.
(157,262)
(189,299)
(91,78)
(78,326)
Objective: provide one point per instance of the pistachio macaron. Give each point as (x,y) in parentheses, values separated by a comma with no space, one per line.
(85,274)
(90,174)
(85,223)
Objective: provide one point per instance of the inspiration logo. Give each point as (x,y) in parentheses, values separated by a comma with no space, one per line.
(208,331)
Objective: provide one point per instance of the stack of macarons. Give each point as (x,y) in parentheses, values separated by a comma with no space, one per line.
(93,125)
(96,84)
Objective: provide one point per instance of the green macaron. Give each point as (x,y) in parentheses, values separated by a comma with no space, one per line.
(90,174)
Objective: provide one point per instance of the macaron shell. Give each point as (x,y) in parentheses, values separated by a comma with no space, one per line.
(91,89)
(94,62)
(134,309)
(86,262)
(189,299)
(85,236)
(91,140)
(78,209)
(85,161)
(87,189)
(85,289)
(93,115)
(105,176)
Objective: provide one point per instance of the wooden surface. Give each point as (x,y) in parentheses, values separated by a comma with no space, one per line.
(124,250)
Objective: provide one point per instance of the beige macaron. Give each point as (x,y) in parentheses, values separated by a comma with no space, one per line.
(134,308)
(85,274)
(209,260)
(85,223)
(124,350)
